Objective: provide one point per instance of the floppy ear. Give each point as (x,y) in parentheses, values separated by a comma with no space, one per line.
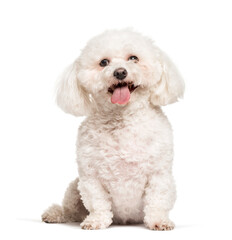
(71,96)
(170,87)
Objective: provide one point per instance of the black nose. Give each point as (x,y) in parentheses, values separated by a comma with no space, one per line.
(120,73)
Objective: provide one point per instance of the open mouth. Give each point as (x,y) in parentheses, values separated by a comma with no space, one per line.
(121,92)
(130,86)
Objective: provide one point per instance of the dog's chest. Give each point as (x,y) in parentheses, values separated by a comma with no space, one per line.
(125,152)
(122,148)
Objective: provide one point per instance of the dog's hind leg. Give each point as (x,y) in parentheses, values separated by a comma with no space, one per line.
(72,209)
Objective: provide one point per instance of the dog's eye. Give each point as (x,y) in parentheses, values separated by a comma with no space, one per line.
(133,58)
(104,62)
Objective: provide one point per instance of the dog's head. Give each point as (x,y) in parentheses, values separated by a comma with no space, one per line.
(118,67)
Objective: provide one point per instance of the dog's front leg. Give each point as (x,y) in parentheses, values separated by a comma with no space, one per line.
(97,202)
(159,199)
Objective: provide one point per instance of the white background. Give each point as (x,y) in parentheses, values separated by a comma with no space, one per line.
(40,38)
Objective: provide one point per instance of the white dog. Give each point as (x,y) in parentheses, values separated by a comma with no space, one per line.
(124,146)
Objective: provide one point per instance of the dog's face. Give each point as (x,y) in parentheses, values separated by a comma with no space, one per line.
(118,67)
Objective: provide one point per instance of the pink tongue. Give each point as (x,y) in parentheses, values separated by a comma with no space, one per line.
(121,95)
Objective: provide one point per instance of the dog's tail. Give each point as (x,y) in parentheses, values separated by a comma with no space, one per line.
(72,209)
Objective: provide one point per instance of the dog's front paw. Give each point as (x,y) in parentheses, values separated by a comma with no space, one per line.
(160,225)
(157,220)
(96,221)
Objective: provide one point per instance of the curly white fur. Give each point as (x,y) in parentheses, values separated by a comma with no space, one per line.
(124,152)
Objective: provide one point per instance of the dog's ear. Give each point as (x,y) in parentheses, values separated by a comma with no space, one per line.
(71,97)
(170,86)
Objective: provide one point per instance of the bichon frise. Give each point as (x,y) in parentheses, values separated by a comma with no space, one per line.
(125,145)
